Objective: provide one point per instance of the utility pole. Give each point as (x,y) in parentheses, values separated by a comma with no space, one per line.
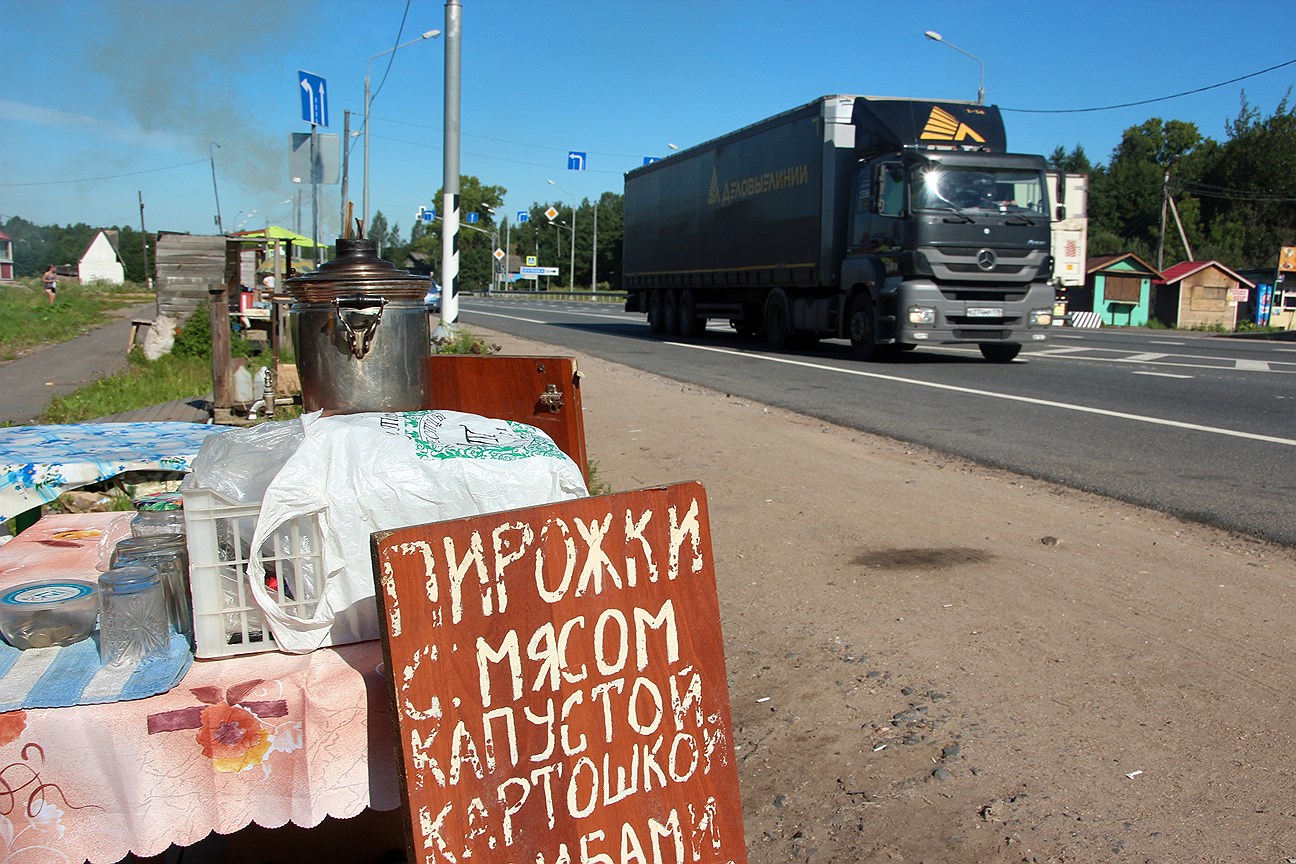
(148,280)
(346,158)
(1165,197)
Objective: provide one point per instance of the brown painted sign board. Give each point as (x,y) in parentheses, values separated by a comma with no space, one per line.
(558,684)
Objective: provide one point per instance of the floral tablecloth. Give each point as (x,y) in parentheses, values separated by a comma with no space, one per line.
(37,463)
(266,738)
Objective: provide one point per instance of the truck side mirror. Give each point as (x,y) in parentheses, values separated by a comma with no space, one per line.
(1061,212)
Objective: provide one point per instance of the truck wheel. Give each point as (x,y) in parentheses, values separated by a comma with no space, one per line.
(777,324)
(999,352)
(861,328)
(655,322)
(670,313)
(690,327)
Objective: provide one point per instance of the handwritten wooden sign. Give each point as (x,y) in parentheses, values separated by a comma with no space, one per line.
(558,683)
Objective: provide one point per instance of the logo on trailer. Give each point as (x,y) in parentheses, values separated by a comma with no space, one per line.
(944,126)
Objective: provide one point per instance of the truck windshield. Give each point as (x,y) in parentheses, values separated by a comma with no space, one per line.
(980,188)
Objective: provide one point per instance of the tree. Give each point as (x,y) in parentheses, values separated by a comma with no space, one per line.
(1249,192)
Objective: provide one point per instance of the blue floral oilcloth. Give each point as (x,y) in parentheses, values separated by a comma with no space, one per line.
(38,463)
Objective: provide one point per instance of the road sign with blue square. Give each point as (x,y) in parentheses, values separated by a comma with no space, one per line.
(523,216)
(314,99)
(576,160)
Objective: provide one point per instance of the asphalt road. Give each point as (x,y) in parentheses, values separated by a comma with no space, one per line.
(1197,426)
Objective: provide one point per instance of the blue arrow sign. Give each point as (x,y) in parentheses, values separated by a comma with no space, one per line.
(314,99)
(472,218)
(523,216)
(576,160)
(648,160)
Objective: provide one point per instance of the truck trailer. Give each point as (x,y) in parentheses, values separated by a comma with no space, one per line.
(892,222)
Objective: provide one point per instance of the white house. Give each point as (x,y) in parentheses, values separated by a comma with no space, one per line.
(101,260)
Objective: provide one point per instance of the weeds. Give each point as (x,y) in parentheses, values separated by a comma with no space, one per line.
(30,319)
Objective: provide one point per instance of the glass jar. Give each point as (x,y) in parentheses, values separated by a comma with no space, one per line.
(158,513)
(132,616)
(167,554)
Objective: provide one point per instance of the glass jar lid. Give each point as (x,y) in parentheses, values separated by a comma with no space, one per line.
(130,579)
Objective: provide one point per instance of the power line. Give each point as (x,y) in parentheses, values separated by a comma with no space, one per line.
(1147,101)
(109,176)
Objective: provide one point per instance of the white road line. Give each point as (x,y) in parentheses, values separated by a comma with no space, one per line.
(1143,358)
(1053,352)
(1252,365)
(1156,421)
(509,317)
(1164,342)
(1163,375)
(1064,336)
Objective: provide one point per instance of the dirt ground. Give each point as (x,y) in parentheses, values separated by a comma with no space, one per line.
(931,661)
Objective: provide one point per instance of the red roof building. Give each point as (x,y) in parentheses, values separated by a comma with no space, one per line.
(1200,294)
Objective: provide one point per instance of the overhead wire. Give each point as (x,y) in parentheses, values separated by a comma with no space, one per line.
(1148,101)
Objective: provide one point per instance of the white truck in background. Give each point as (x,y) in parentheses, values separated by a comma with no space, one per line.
(1069,235)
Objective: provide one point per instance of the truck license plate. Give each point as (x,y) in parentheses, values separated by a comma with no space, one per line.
(985,312)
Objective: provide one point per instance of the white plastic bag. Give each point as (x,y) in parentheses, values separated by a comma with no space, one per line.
(379,471)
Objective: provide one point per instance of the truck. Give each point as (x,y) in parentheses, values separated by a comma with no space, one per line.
(891,222)
(1070,195)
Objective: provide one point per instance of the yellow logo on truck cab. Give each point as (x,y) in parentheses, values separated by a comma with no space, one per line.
(944,126)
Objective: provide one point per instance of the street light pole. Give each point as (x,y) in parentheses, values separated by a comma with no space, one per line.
(430,34)
(212,147)
(571,274)
(936,37)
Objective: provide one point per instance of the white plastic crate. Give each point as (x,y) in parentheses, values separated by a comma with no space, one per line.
(226,620)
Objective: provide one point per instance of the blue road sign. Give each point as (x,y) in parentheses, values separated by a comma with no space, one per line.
(523,216)
(576,160)
(472,218)
(314,99)
(648,160)
(425,215)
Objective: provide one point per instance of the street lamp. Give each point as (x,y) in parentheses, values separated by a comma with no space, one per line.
(494,235)
(212,147)
(431,34)
(936,37)
(571,275)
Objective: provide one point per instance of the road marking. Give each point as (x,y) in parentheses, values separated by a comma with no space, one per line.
(1062,336)
(1143,358)
(1163,375)
(1252,365)
(1053,352)
(1164,342)
(1047,403)
(509,317)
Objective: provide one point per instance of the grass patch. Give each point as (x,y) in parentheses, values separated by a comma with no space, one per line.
(30,320)
(141,384)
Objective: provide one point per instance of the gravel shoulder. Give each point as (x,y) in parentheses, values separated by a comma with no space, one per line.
(934,661)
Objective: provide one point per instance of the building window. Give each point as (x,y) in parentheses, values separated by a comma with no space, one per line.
(1123,289)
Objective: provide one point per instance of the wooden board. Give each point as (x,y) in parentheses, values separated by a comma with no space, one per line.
(558,684)
(514,388)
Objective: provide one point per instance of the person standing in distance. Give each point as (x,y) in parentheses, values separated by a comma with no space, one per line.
(51,283)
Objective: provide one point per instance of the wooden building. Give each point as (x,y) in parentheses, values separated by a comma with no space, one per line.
(1118,289)
(1200,294)
(187,265)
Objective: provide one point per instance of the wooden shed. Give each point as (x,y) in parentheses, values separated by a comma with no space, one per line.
(1118,288)
(187,265)
(1200,294)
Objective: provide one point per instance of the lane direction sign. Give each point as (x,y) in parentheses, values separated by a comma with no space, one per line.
(314,98)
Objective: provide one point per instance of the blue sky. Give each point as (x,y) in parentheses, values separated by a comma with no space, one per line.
(110,99)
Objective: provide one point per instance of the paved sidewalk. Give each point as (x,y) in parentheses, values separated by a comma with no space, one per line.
(31,382)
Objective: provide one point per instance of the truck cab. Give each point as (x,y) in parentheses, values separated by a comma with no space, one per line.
(950,246)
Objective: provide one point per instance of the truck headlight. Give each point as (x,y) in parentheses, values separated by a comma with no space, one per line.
(922,315)
(1041,317)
